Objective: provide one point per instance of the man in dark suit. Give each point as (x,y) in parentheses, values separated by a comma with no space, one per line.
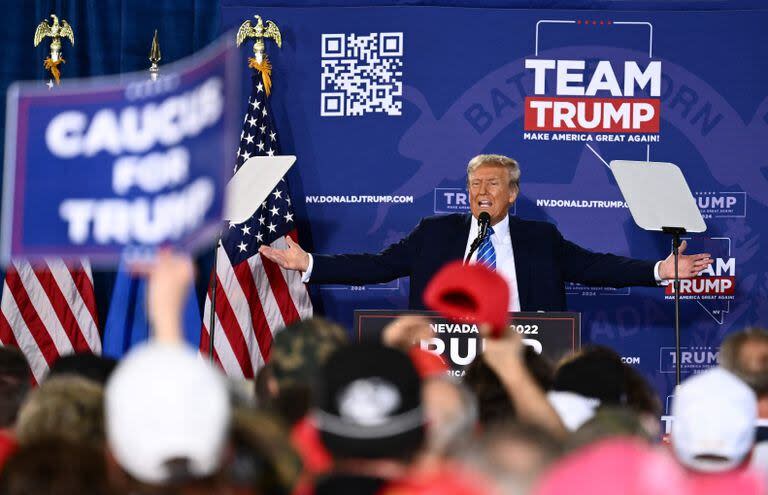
(533,257)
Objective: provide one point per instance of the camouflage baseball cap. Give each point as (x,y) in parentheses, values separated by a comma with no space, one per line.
(299,350)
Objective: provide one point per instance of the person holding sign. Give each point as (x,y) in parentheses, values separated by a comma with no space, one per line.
(532,256)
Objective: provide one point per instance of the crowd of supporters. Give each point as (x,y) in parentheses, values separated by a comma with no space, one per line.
(330,416)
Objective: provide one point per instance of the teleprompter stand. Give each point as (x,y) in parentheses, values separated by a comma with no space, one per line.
(659,199)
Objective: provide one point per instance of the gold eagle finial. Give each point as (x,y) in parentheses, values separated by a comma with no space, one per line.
(259,61)
(55,30)
(259,31)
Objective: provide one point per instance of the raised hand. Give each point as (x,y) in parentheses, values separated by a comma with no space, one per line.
(170,276)
(292,258)
(406,331)
(688,266)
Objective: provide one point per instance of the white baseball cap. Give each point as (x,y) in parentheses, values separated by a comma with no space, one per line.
(714,416)
(574,409)
(165,403)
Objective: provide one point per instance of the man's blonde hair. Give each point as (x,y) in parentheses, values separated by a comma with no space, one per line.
(500,161)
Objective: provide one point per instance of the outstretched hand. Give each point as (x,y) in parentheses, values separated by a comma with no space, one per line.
(292,258)
(688,266)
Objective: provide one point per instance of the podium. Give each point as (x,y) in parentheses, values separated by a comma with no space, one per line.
(552,335)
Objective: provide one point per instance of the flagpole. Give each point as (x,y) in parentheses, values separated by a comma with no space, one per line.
(154,73)
(259,62)
(214,286)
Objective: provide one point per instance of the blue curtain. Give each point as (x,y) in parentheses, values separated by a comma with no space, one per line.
(111,36)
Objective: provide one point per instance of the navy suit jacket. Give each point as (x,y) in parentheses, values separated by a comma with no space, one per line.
(544,261)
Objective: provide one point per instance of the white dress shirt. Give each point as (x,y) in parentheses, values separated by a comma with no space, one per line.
(505,256)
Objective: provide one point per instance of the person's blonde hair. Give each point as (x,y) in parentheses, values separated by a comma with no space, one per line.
(730,358)
(498,160)
(70,408)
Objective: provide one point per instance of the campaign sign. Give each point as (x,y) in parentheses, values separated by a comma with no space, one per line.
(552,335)
(95,166)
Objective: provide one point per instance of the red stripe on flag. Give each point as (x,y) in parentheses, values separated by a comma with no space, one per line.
(63,311)
(280,290)
(205,339)
(233,331)
(85,288)
(259,321)
(31,318)
(6,333)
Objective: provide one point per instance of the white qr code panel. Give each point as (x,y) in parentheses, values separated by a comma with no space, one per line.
(361,74)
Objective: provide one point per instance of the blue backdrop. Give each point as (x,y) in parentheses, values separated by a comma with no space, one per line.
(385,104)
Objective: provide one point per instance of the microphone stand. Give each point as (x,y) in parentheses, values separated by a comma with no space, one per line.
(476,244)
(483,221)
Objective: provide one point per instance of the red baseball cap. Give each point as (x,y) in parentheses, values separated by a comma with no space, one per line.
(470,292)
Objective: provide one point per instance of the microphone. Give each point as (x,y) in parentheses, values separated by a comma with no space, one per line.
(483,222)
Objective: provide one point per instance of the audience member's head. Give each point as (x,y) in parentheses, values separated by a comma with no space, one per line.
(614,466)
(609,422)
(643,400)
(513,455)
(167,418)
(15,380)
(714,421)
(55,466)
(540,368)
(745,354)
(368,404)
(596,372)
(297,355)
(85,365)
(68,408)
(263,461)
(451,414)
(494,403)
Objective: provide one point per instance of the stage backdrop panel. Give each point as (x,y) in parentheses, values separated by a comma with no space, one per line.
(384,106)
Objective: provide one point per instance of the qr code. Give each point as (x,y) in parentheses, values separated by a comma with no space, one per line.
(361,74)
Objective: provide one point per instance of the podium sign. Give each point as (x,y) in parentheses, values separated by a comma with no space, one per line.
(552,335)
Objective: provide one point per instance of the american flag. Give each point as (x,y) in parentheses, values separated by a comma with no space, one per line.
(49,311)
(255,297)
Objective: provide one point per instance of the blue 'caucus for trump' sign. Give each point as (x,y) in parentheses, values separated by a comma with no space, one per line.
(97,166)
(385,102)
